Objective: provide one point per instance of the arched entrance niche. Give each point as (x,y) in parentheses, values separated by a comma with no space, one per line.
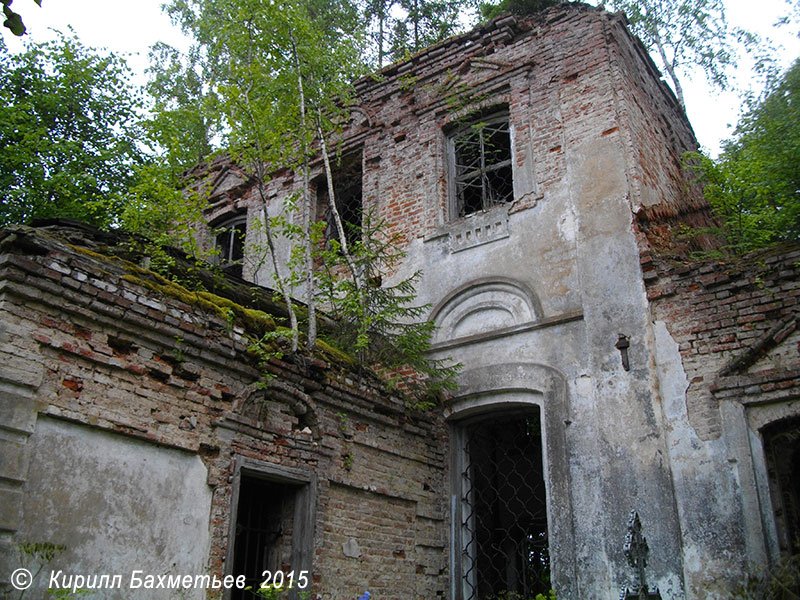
(511,509)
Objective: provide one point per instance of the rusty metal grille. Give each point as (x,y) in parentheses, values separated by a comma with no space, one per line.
(483,167)
(263,530)
(504,511)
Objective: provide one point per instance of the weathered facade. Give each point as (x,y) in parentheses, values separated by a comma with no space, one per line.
(532,168)
(728,358)
(135,426)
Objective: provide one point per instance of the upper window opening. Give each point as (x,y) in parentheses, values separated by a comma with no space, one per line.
(230,244)
(482,165)
(347,175)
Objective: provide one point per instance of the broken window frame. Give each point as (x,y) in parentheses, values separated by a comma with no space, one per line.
(348,176)
(484,168)
(303,486)
(464,568)
(229,239)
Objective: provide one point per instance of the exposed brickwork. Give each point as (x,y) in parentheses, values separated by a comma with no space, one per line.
(736,324)
(557,99)
(117,356)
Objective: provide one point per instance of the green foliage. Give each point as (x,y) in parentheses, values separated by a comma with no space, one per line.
(347,460)
(68,593)
(251,42)
(684,35)
(67,129)
(184,114)
(34,556)
(275,592)
(399,28)
(754,186)
(275,80)
(518,7)
(377,322)
(507,595)
(13,19)
(265,349)
(164,215)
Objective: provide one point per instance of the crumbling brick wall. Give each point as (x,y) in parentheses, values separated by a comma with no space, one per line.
(736,323)
(569,77)
(86,340)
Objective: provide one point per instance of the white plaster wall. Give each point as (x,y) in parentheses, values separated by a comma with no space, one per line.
(117,505)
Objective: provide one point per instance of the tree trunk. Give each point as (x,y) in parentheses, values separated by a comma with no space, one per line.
(306,207)
(670,71)
(260,175)
(334,209)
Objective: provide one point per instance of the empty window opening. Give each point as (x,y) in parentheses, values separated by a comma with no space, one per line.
(782,452)
(347,176)
(229,240)
(264,524)
(504,544)
(481,155)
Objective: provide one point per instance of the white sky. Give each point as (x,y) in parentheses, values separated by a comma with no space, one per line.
(131,27)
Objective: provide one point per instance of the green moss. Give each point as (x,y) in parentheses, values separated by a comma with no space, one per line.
(335,354)
(256,322)
(146,274)
(248,317)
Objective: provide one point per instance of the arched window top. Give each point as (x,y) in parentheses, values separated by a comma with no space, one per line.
(483,306)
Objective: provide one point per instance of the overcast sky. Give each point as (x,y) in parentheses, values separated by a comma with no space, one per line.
(131,27)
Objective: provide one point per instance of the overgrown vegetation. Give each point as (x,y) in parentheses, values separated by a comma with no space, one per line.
(754,185)
(67,132)
(268,83)
(34,557)
(687,37)
(380,323)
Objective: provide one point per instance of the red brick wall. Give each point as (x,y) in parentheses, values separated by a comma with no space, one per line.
(737,324)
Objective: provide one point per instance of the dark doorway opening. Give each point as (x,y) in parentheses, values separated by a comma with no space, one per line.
(504,509)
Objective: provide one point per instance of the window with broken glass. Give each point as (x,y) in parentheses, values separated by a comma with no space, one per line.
(501,510)
(481,165)
(229,240)
(347,175)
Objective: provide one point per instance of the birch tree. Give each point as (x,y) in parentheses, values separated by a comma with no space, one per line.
(686,35)
(283,81)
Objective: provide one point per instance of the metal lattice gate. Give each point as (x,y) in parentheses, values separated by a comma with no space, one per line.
(503,512)
(263,530)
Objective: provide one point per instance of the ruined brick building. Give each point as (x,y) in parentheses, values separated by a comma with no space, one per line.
(533,170)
